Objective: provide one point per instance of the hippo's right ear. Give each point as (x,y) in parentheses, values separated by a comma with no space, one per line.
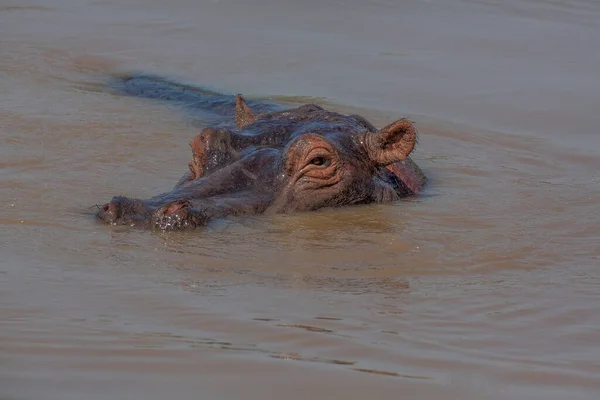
(391,144)
(243,114)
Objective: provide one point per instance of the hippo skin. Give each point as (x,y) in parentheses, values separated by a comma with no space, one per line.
(270,160)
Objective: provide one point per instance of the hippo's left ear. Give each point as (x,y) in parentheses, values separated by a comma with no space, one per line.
(243,114)
(391,144)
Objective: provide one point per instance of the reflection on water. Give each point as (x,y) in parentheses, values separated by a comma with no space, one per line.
(484,287)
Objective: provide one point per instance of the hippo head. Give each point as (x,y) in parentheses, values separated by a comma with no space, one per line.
(287,161)
(334,168)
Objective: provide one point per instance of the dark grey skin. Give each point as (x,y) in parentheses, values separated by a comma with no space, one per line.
(278,161)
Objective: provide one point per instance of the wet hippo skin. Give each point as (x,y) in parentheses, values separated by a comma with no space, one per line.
(261,158)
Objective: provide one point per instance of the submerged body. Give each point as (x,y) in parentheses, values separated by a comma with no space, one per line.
(277,162)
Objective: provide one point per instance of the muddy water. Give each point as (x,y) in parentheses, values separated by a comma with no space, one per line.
(486,287)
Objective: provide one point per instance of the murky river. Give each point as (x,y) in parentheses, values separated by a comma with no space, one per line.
(485,287)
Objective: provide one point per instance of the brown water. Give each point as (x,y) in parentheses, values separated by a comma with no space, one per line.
(486,287)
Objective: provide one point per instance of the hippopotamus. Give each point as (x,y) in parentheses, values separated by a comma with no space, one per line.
(265,159)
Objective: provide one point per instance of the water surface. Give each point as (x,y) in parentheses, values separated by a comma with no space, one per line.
(486,287)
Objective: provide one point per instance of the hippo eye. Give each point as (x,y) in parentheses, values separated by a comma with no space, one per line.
(319,161)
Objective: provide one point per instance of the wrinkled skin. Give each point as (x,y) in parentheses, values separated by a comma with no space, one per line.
(278,161)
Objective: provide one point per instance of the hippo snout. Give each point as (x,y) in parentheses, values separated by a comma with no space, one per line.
(110,212)
(174,215)
(177,215)
(124,211)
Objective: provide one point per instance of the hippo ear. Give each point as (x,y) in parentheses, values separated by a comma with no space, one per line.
(243,114)
(391,144)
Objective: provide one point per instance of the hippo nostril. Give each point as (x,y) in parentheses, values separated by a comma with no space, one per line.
(175,215)
(111,208)
(109,212)
(124,211)
(175,207)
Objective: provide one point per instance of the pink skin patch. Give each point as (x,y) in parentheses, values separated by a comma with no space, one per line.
(409,173)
